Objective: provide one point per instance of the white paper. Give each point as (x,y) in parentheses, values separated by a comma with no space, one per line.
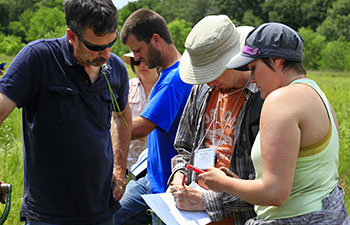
(165,208)
(204,158)
(196,186)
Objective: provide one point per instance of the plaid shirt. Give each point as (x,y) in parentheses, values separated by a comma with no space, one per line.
(192,129)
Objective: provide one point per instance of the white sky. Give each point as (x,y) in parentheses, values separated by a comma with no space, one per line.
(120,3)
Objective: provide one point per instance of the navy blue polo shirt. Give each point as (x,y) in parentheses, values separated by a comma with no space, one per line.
(68,157)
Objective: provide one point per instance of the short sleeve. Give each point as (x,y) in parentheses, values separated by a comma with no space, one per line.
(22,79)
(163,107)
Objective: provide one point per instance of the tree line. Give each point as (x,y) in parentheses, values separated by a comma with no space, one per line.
(324,24)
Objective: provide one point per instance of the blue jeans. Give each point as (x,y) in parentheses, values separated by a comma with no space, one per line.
(109,221)
(133,210)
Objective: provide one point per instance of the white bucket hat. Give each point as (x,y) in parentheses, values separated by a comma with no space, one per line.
(210,45)
(127,57)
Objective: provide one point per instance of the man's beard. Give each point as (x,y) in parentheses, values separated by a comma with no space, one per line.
(153,57)
(97,61)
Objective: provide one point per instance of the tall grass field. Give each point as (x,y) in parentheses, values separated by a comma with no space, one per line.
(336,85)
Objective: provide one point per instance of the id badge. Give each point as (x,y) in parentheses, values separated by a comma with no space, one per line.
(204,158)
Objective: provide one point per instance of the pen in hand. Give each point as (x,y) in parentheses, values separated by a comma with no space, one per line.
(184,179)
(195,169)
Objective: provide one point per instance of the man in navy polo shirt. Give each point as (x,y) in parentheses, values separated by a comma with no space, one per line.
(71,175)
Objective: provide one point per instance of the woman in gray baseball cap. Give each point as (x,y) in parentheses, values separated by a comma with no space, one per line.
(296,153)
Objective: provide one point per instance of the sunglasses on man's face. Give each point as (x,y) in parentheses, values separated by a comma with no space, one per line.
(96,48)
(135,63)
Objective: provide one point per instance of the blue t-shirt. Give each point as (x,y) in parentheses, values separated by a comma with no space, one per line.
(67,150)
(165,107)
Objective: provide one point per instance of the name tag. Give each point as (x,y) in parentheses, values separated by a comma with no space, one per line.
(204,158)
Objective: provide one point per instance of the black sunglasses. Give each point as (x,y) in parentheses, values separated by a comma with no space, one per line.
(135,63)
(96,48)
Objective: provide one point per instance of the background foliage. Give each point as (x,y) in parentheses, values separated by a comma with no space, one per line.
(322,23)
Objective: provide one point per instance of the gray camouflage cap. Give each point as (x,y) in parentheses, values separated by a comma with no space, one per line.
(269,40)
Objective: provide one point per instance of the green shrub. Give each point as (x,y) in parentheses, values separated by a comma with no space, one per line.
(59,31)
(118,48)
(313,45)
(46,20)
(347,62)
(179,30)
(17,29)
(335,56)
(10,45)
(337,22)
(249,19)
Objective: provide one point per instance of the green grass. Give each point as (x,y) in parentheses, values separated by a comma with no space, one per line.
(11,157)
(11,162)
(334,84)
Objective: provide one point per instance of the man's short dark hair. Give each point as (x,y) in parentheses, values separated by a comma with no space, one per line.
(100,15)
(143,23)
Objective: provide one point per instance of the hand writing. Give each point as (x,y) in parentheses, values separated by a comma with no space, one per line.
(187,198)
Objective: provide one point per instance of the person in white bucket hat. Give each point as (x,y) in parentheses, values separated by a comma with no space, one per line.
(220,120)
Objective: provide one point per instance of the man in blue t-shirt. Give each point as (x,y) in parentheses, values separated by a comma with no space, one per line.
(68,89)
(147,36)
